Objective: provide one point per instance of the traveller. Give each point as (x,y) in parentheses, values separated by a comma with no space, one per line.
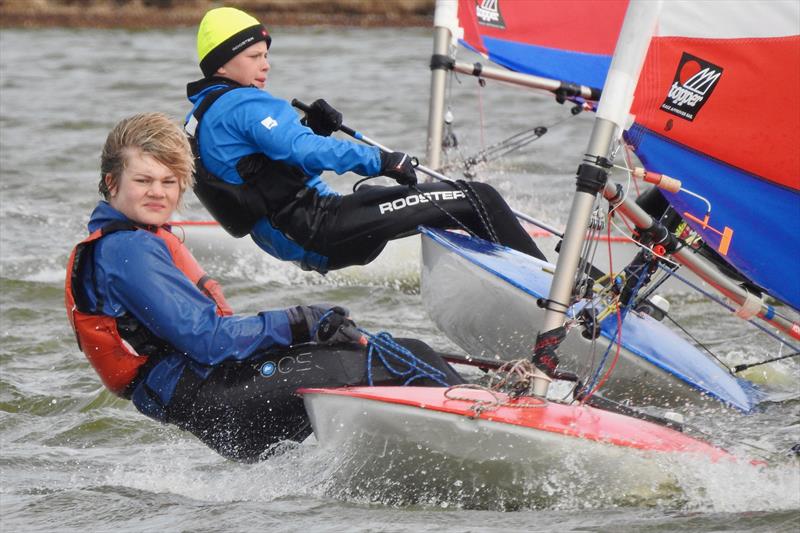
(258,166)
(159,332)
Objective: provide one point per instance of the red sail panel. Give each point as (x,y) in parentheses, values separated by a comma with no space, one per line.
(570,40)
(578,25)
(735,100)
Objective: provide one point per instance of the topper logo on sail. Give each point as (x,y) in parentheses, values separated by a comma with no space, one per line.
(488,13)
(694,82)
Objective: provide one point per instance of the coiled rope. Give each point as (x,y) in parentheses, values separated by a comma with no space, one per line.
(398,360)
(516,375)
(494,402)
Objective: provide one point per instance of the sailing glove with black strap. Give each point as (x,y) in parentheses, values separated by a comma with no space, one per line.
(322,118)
(399,167)
(321,323)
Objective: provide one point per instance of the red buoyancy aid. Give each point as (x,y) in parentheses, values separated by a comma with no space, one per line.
(114,359)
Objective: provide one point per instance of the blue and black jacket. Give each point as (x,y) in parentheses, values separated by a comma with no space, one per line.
(134,275)
(258,167)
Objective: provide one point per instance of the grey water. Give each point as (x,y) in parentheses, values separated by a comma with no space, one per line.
(74,458)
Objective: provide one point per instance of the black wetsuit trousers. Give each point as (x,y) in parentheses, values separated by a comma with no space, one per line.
(357,226)
(244,408)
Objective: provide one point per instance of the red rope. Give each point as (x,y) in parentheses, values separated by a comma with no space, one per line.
(619,327)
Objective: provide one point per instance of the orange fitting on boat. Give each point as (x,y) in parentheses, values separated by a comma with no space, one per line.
(725,242)
(662,181)
(659,250)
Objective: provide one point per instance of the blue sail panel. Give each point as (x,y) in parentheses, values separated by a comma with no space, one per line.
(576,67)
(754,221)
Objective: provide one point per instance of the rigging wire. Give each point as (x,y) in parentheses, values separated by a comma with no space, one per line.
(629,162)
(596,382)
(582,277)
(721,302)
(502,148)
(450,140)
(481,85)
(739,368)
(698,342)
(508,145)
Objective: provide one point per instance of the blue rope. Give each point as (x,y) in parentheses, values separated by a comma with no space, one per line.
(390,353)
(623,313)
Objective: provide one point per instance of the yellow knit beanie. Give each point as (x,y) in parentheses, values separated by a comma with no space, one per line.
(223,33)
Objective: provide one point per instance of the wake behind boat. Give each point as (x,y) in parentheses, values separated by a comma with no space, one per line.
(397,265)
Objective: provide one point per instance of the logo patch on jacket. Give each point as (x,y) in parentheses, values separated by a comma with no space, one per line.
(269,123)
(695,80)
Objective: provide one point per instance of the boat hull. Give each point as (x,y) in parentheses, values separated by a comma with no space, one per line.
(417,435)
(484,298)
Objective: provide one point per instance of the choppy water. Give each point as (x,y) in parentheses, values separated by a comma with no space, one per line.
(75,458)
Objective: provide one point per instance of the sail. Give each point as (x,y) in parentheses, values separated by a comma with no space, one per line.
(716,106)
(570,40)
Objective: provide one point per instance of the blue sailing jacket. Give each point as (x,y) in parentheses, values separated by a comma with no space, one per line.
(134,273)
(248,120)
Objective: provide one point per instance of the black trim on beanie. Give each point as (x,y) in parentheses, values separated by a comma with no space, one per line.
(227,49)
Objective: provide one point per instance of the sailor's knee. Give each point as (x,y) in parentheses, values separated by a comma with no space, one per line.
(486,192)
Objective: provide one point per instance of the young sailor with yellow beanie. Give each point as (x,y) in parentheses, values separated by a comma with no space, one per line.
(258,166)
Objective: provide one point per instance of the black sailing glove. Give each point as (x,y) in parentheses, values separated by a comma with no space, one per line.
(399,167)
(322,118)
(320,323)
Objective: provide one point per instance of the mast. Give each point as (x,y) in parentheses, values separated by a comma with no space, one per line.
(445,23)
(612,114)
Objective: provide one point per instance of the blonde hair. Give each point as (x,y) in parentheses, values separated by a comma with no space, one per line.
(154,134)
